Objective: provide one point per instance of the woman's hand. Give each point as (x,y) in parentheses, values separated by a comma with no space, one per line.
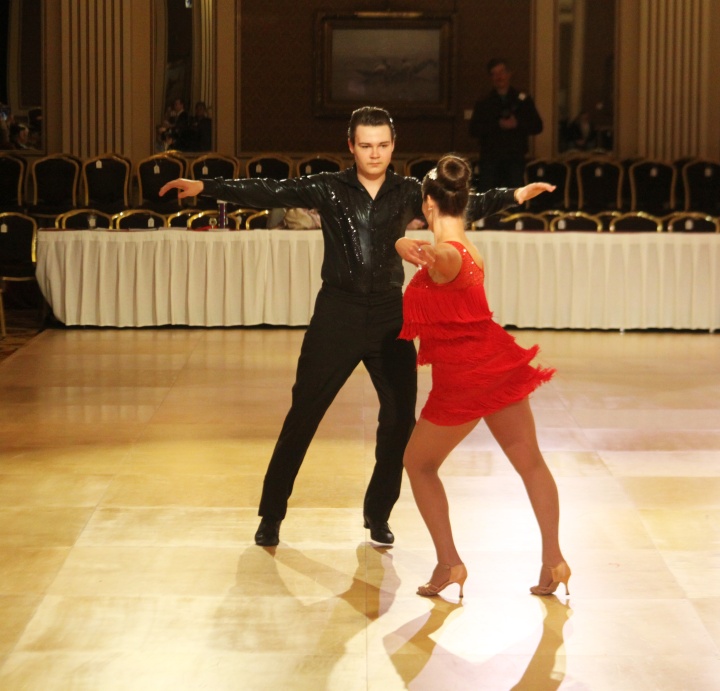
(418,252)
(522,194)
(186,188)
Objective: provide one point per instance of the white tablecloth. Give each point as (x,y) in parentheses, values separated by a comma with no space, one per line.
(148,278)
(542,280)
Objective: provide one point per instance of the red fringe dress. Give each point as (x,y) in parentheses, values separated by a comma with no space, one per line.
(477,367)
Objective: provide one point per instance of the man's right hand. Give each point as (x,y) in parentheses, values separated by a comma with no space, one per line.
(186,188)
(415,252)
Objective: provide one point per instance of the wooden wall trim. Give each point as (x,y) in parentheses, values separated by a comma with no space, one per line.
(226,53)
(544,70)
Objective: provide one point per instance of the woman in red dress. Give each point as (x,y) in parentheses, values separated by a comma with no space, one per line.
(478,371)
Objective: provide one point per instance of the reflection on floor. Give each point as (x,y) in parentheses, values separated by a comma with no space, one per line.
(130,470)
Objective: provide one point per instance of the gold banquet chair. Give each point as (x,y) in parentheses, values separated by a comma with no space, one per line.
(240,216)
(652,187)
(701,180)
(679,190)
(180,218)
(553,172)
(319,163)
(18,237)
(419,167)
(204,220)
(691,222)
(522,221)
(55,182)
(106,183)
(214,165)
(269,165)
(12,181)
(636,222)
(139,219)
(258,220)
(607,217)
(211,166)
(490,222)
(151,174)
(576,220)
(599,182)
(84,219)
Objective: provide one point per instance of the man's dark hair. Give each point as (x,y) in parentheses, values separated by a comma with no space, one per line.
(369,116)
(494,62)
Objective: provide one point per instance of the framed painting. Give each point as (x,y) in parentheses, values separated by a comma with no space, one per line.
(402,61)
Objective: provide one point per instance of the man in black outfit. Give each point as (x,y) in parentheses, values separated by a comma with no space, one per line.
(503,122)
(358,311)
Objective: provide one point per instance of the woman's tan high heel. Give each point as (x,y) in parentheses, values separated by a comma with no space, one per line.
(458,574)
(560,574)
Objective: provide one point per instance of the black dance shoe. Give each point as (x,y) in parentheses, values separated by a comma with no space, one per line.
(379,531)
(268,533)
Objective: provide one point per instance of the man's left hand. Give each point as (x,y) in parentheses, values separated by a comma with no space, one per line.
(522,194)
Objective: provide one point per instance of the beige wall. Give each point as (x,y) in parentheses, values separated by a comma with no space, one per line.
(98,88)
(668,98)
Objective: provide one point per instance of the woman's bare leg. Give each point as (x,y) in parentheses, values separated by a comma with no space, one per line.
(514,429)
(428,447)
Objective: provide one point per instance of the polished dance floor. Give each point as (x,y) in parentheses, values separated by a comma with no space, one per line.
(130,470)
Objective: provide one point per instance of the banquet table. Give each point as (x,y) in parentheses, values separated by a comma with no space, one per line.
(575,280)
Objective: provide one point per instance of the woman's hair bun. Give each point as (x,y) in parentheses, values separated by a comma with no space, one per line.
(453,173)
(449,184)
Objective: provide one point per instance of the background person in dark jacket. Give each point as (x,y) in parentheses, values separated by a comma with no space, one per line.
(503,121)
(358,312)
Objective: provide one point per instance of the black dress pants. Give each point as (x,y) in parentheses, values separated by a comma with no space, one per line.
(345,330)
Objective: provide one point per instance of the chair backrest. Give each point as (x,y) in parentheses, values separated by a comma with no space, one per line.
(55,181)
(652,187)
(702,186)
(607,217)
(489,222)
(522,221)
(257,220)
(208,219)
(180,157)
(679,191)
(241,215)
(180,218)
(554,172)
(84,219)
(152,173)
(319,163)
(146,219)
(474,162)
(12,181)
(636,221)
(572,160)
(18,236)
(214,165)
(275,166)
(599,183)
(692,222)
(576,220)
(106,182)
(626,193)
(419,167)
